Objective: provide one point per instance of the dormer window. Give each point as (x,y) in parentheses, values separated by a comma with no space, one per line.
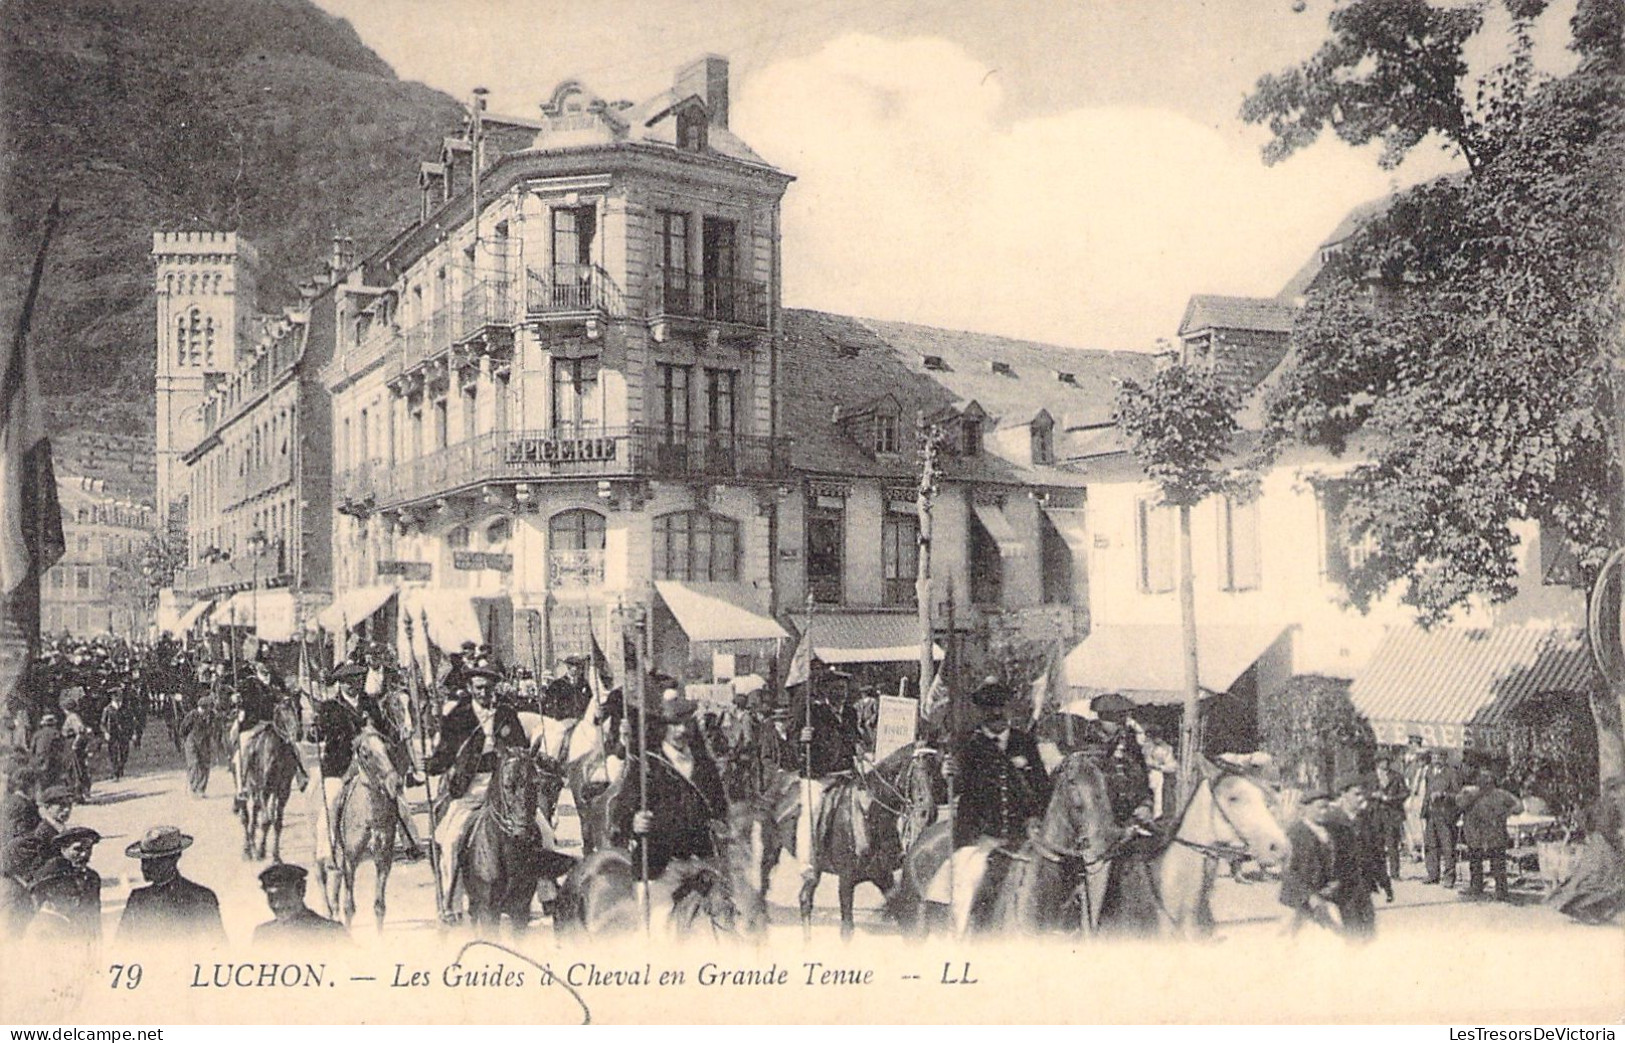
(970,437)
(691,127)
(935,363)
(886,434)
(1043,442)
(1001,368)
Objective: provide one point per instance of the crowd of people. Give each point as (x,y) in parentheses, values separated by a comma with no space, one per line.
(1349,842)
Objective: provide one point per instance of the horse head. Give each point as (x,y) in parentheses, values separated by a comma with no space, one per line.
(513,785)
(550,777)
(372,755)
(1079,819)
(1241,808)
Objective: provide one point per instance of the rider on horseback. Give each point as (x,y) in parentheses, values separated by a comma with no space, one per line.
(466,754)
(1003,786)
(258,697)
(339,721)
(830,744)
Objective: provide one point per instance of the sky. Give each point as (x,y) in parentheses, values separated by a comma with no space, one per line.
(1060,170)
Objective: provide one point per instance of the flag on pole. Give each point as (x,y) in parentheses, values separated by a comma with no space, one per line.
(800,663)
(31,538)
(600,662)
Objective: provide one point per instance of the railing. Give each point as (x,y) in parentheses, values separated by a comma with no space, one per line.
(233,572)
(575,568)
(573,289)
(566,453)
(713,297)
(485,305)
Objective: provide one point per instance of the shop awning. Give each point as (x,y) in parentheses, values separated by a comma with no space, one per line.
(998,526)
(354,607)
(1069,522)
(865,637)
(1456,687)
(450,616)
(708,614)
(190,617)
(1143,661)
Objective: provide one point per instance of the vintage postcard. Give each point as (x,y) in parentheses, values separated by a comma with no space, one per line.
(910,512)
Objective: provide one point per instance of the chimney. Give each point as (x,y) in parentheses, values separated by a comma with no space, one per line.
(707,77)
(343,256)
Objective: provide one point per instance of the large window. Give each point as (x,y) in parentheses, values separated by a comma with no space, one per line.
(574,229)
(1340,554)
(826,545)
(721,251)
(719,400)
(575,548)
(986,566)
(1154,536)
(1239,566)
(575,393)
(673,259)
(899,557)
(441,434)
(695,545)
(671,401)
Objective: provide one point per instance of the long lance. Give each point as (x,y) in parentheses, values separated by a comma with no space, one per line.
(643,756)
(807,809)
(335,850)
(414,687)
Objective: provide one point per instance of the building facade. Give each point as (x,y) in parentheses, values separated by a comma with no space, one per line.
(257,481)
(94,590)
(557,391)
(204,285)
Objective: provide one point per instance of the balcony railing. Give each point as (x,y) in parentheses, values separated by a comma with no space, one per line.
(573,289)
(593,452)
(486,305)
(575,568)
(241,571)
(678,293)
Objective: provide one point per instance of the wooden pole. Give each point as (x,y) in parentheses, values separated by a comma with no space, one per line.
(807,758)
(643,753)
(414,687)
(924,496)
(1189,724)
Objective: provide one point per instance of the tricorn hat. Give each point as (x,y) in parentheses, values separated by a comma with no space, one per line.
(160,842)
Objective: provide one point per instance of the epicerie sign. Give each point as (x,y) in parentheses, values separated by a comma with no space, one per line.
(559,450)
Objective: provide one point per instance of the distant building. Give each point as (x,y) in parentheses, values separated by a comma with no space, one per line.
(555,411)
(86,593)
(204,284)
(257,480)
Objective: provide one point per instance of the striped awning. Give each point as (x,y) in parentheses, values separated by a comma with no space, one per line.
(716,612)
(1456,687)
(865,637)
(1143,663)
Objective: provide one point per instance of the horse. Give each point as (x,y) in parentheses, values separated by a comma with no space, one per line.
(502,856)
(363,821)
(1051,879)
(878,796)
(1227,818)
(269,764)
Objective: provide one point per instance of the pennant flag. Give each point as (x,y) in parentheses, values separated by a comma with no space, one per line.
(600,661)
(1051,688)
(801,663)
(31,538)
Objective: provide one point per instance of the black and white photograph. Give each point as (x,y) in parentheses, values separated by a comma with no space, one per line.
(913,511)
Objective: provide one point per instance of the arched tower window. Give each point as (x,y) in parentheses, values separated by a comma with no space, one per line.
(208,342)
(194,340)
(575,548)
(180,340)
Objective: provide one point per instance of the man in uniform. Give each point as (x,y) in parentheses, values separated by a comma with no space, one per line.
(75,887)
(170,907)
(829,745)
(294,923)
(257,699)
(685,790)
(339,721)
(464,756)
(565,703)
(1002,786)
(118,729)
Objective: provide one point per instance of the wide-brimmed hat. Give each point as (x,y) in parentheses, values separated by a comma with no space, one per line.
(57,794)
(992,695)
(575,660)
(74,833)
(480,671)
(160,842)
(673,707)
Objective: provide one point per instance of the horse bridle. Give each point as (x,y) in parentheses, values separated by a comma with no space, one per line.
(1224,852)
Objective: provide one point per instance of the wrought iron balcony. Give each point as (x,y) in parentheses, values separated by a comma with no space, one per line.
(236,573)
(714,298)
(581,452)
(573,290)
(486,306)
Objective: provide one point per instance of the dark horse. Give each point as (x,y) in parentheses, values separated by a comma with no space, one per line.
(873,802)
(1044,884)
(269,764)
(363,819)
(502,855)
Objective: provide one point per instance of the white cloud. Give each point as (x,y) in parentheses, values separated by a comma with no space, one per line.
(1089,227)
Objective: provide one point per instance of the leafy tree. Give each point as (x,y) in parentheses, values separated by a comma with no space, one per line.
(137,575)
(1181,426)
(1467,340)
(1551,750)
(1305,722)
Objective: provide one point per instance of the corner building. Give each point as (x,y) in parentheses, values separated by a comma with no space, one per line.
(556,389)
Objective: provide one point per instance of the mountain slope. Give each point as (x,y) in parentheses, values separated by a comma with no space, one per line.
(269,117)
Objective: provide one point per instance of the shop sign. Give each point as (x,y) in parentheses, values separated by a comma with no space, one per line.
(474,560)
(410,570)
(559,450)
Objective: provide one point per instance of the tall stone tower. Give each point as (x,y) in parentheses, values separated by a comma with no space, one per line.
(206,306)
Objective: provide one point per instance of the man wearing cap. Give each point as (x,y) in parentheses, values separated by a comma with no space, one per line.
(685,790)
(465,755)
(1485,809)
(1356,860)
(294,923)
(339,721)
(170,906)
(1387,814)
(565,702)
(1309,879)
(257,699)
(75,888)
(52,755)
(25,854)
(118,728)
